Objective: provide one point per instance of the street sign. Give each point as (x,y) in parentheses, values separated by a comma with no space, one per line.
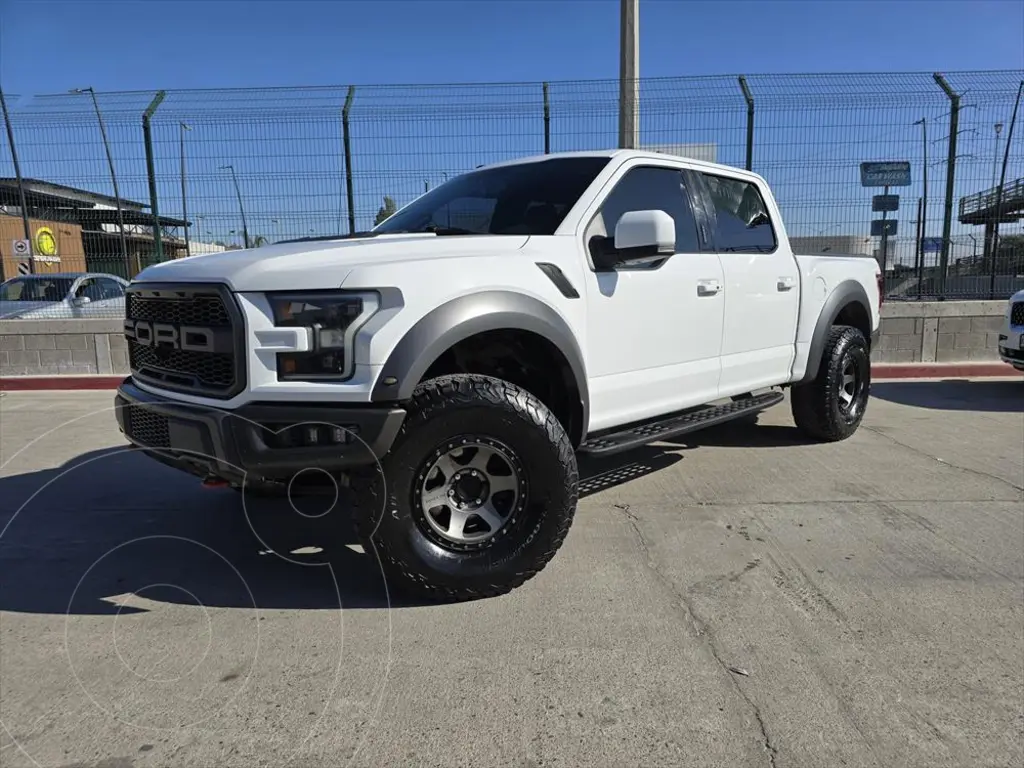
(887,174)
(23,268)
(886,203)
(883,227)
(21,247)
(931,244)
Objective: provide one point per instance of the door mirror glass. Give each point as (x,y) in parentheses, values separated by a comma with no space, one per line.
(645,235)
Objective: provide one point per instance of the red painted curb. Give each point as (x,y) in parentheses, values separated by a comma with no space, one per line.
(941,370)
(879,371)
(23,383)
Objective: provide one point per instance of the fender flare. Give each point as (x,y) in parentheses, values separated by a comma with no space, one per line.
(847,292)
(466,316)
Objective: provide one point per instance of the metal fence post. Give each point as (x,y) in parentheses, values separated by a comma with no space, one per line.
(547,122)
(748,96)
(147,137)
(347,140)
(947,214)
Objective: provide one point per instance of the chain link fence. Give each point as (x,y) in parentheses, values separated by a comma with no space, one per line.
(203,171)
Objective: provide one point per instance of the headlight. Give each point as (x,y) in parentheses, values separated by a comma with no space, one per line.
(333,319)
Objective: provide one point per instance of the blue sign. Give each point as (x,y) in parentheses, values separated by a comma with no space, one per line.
(887,203)
(887,174)
(931,244)
(883,228)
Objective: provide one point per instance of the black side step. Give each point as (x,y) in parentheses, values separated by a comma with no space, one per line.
(680,424)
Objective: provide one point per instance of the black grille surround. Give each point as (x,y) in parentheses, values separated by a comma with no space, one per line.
(1017,313)
(217,372)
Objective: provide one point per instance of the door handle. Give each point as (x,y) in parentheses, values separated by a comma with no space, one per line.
(708,287)
(785,283)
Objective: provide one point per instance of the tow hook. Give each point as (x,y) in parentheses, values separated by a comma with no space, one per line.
(211,481)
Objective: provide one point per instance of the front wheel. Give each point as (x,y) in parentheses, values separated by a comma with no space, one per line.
(477,493)
(831,406)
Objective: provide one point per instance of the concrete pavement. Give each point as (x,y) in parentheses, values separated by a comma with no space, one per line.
(740,599)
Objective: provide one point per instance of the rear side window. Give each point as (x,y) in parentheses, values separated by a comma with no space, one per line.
(742,222)
(650,189)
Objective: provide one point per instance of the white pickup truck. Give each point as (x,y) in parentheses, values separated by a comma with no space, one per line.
(451,364)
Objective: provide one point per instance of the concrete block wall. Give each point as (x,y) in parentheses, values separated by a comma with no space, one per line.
(939,331)
(912,332)
(48,347)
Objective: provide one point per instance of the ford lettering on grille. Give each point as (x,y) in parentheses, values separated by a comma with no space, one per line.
(185,338)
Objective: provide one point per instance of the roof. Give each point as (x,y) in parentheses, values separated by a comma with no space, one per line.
(625,154)
(69,275)
(39,186)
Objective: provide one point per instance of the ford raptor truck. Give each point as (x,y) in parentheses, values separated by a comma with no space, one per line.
(448,367)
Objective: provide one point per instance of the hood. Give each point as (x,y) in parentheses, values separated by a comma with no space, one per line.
(325,264)
(10,310)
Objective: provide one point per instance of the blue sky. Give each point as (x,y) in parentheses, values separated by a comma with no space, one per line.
(50,45)
(289,167)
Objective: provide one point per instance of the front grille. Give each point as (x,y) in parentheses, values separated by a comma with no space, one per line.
(1017,313)
(175,316)
(147,427)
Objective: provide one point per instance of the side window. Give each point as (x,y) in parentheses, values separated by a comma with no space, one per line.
(88,288)
(647,189)
(109,289)
(742,220)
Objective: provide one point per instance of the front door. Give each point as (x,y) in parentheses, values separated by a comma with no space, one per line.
(653,331)
(762,286)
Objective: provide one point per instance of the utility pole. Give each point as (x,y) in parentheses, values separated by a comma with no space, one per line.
(629,74)
(995,155)
(241,208)
(21,188)
(113,179)
(182,127)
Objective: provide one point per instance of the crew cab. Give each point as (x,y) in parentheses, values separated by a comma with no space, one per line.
(451,365)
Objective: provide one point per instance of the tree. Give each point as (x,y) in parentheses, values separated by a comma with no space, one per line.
(258,240)
(385,211)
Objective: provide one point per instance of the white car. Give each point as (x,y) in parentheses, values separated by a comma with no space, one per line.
(62,295)
(451,364)
(1011,338)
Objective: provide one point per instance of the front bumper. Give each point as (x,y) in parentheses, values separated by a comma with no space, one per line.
(258,440)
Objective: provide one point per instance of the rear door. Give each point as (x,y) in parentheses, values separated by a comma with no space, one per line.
(761,284)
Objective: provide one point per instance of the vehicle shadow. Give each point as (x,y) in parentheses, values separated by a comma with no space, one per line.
(110,526)
(954,395)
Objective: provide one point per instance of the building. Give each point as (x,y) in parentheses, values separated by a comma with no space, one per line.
(77,230)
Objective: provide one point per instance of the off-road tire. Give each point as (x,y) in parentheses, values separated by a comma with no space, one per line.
(442,412)
(818,409)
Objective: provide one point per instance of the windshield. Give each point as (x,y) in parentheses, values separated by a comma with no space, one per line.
(35,289)
(525,199)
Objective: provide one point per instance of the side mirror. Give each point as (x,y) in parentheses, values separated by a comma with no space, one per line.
(644,236)
(81,301)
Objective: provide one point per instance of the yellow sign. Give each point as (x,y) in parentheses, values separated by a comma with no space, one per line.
(46,243)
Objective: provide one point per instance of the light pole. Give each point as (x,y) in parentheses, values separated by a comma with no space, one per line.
(241,208)
(995,155)
(113,177)
(923,122)
(182,127)
(21,188)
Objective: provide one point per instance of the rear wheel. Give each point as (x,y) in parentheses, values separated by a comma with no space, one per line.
(478,492)
(831,406)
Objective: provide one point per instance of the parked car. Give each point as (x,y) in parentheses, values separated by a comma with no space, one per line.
(62,295)
(1011,338)
(608,300)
